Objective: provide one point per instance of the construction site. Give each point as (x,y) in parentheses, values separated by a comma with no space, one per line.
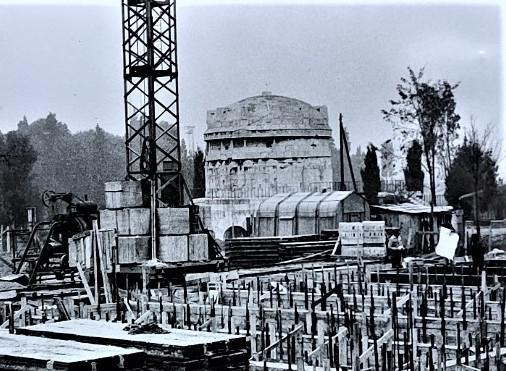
(278,267)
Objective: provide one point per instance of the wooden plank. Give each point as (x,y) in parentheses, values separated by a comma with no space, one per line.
(102,264)
(385,338)
(30,351)
(17,315)
(178,344)
(85,284)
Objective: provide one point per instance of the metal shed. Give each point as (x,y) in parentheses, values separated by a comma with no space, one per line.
(308,212)
(267,212)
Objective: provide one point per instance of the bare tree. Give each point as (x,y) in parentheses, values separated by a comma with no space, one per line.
(477,159)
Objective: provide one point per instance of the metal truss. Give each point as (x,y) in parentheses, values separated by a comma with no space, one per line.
(151,98)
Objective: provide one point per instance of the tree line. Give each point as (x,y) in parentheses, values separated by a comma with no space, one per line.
(46,155)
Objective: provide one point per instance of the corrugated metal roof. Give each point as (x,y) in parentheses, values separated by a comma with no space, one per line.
(412,208)
(288,206)
(268,207)
(307,201)
(308,207)
(328,207)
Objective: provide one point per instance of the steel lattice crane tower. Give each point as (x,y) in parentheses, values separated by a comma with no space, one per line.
(152,101)
(151,97)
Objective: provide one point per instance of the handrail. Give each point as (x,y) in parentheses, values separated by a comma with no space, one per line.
(30,241)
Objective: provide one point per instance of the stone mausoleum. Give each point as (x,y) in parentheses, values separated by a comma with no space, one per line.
(258,147)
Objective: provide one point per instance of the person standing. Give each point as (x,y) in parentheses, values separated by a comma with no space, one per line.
(395,246)
(477,253)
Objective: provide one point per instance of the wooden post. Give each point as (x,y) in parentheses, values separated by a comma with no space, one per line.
(102,264)
(95,266)
(356,353)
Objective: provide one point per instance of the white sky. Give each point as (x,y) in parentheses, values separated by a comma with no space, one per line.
(249,2)
(67,59)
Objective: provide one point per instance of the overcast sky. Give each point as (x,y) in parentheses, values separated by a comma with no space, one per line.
(67,59)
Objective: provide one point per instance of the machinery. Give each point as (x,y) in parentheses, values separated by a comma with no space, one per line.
(46,251)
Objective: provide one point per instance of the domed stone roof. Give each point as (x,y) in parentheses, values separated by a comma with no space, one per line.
(268,114)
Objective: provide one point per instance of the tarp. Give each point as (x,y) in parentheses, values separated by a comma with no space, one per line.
(448,241)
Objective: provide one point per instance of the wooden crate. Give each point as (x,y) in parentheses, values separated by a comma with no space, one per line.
(173,248)
(173,220)
(123,194)
(198,249)
(133,249)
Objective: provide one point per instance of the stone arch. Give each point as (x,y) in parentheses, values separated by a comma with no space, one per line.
(238,232)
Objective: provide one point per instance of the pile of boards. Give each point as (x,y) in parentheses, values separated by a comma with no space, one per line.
(175,350)
(252,252)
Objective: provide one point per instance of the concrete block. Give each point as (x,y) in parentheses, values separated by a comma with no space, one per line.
(198,249)
(173,220)
(123,221)
(373,232)
(108,219)
(365,251)
(139,221)
(133,249)
(113,186)
(123,194)
(173,248)
(351,233)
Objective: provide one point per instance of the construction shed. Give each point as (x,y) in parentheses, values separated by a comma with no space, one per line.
(412,219)
(300,213)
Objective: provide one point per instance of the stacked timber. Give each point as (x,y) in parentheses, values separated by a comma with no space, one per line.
(20,352)
(250,252)
(294,250)
(174,350)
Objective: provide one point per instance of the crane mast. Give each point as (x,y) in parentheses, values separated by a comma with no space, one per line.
(151,98)
(153,153)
